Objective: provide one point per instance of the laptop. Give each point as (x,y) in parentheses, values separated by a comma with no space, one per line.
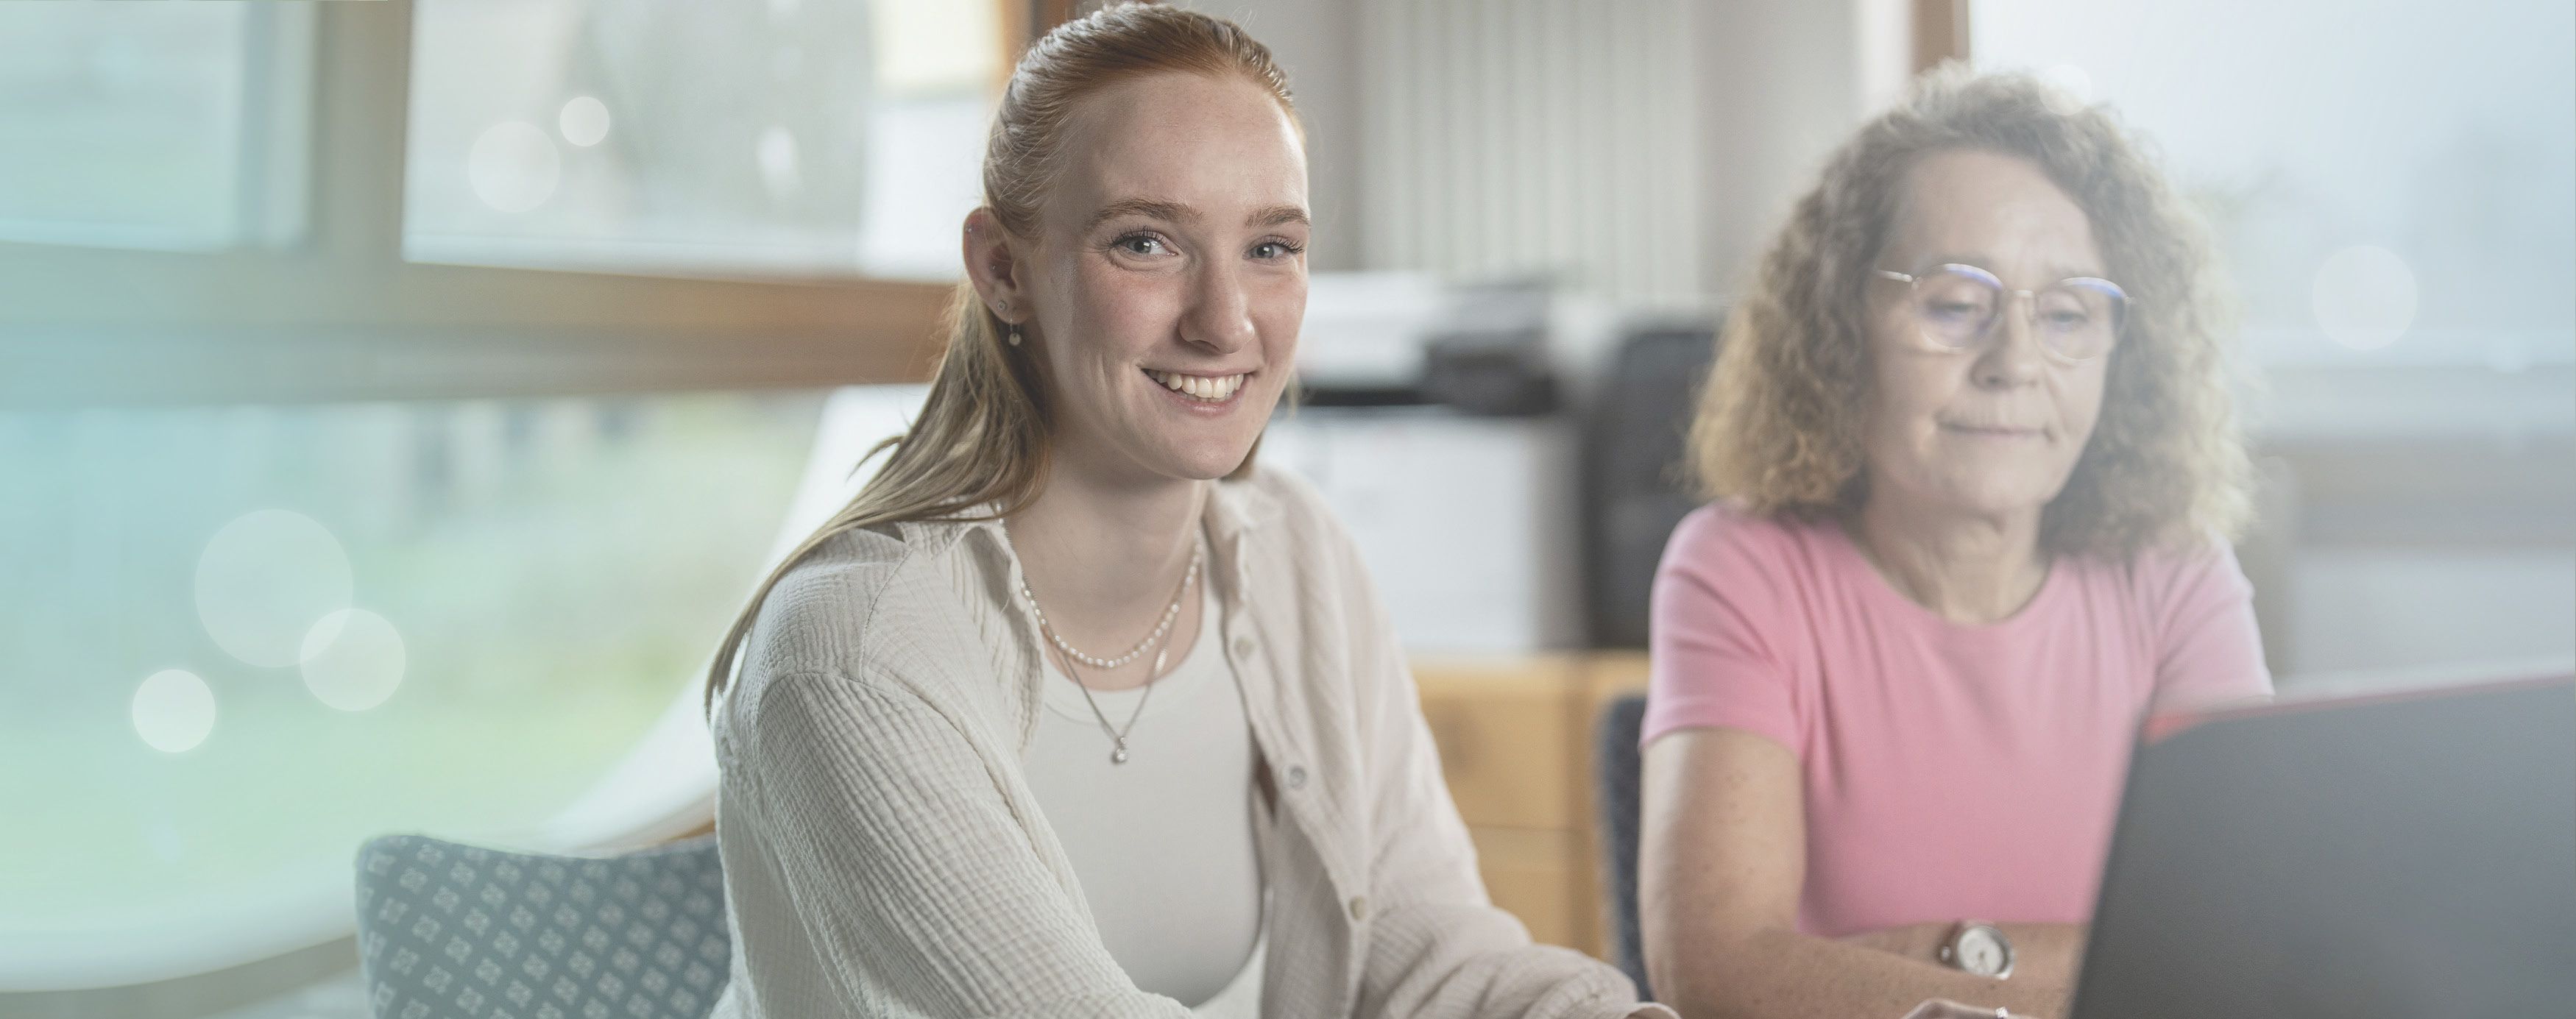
(2392,855)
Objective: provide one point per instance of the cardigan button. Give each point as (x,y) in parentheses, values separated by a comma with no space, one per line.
(1359,907)
(1296,776)
(1243,647)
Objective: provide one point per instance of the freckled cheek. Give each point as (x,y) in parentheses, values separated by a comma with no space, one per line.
(1125,315)
(1278,339)
(1277,311)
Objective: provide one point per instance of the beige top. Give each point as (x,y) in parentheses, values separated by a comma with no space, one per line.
(1164,844)
(883,855)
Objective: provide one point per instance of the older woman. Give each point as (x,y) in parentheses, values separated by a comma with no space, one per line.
(1974,464)
(1074,711)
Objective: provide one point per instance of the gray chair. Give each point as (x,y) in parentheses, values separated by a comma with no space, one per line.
(460,932)
(1615,762)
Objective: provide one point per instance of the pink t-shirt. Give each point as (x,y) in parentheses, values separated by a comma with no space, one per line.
(1951,770)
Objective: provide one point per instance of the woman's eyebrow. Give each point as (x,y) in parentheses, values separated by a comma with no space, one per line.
(1173,212)
(1277,215)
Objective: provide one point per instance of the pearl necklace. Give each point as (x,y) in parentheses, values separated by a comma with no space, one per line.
(1169,614)
(1117,736)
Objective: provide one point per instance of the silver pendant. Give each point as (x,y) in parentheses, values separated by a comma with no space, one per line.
(1119,756)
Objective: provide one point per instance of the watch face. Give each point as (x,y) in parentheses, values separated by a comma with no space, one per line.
(1983,953)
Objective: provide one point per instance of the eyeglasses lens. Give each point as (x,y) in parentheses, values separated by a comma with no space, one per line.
(1956,309)
(2077,319)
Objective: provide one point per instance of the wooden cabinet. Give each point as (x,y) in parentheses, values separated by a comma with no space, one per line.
(1515,738)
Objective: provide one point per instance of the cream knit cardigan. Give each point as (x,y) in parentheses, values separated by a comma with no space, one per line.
(883,855)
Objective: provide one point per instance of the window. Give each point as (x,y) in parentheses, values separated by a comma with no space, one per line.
(789,137)
(261,635)
(175,127)
(313,543)
(2393,189)
(2389,182)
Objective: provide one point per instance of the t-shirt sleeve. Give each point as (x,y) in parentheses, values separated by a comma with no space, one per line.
(2209,650)
(1715,630)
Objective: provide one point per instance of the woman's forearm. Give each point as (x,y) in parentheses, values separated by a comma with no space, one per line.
(2051,953)
(1782,974)
(2043,953)
(1720,866)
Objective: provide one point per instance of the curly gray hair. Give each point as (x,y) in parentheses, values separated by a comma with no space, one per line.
(2165,464)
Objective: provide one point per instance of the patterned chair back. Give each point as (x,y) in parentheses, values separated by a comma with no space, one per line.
(446,930)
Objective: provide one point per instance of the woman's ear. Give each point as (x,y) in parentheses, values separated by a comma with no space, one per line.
(993,264)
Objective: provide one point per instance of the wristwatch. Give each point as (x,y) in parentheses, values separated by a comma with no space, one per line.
(1977,947)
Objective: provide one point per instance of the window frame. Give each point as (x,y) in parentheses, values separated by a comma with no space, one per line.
(341,316)
(337,314)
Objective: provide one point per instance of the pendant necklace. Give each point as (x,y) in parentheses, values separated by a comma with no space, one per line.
(1118,735)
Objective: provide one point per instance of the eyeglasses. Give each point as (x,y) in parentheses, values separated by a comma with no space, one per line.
(1958,305)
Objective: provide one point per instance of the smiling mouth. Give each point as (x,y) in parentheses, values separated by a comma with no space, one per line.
(1203,388)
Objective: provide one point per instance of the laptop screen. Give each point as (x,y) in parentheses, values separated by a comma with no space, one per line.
(2394,855)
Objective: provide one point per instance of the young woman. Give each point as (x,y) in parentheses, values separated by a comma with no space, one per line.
(1074,711)
(1974,459)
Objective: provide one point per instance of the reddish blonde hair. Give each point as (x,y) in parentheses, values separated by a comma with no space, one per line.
(980,450)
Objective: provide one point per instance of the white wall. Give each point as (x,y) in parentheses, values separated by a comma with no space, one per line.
(1781,83)
(1545,139)
(1317,43)
(1643,150)
(1482,140)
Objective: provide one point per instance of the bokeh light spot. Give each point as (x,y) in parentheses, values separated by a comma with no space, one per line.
(262,581)
(778,163)
(353,659)
(2364,297)
(513,166)
(584,121)
(173,711)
